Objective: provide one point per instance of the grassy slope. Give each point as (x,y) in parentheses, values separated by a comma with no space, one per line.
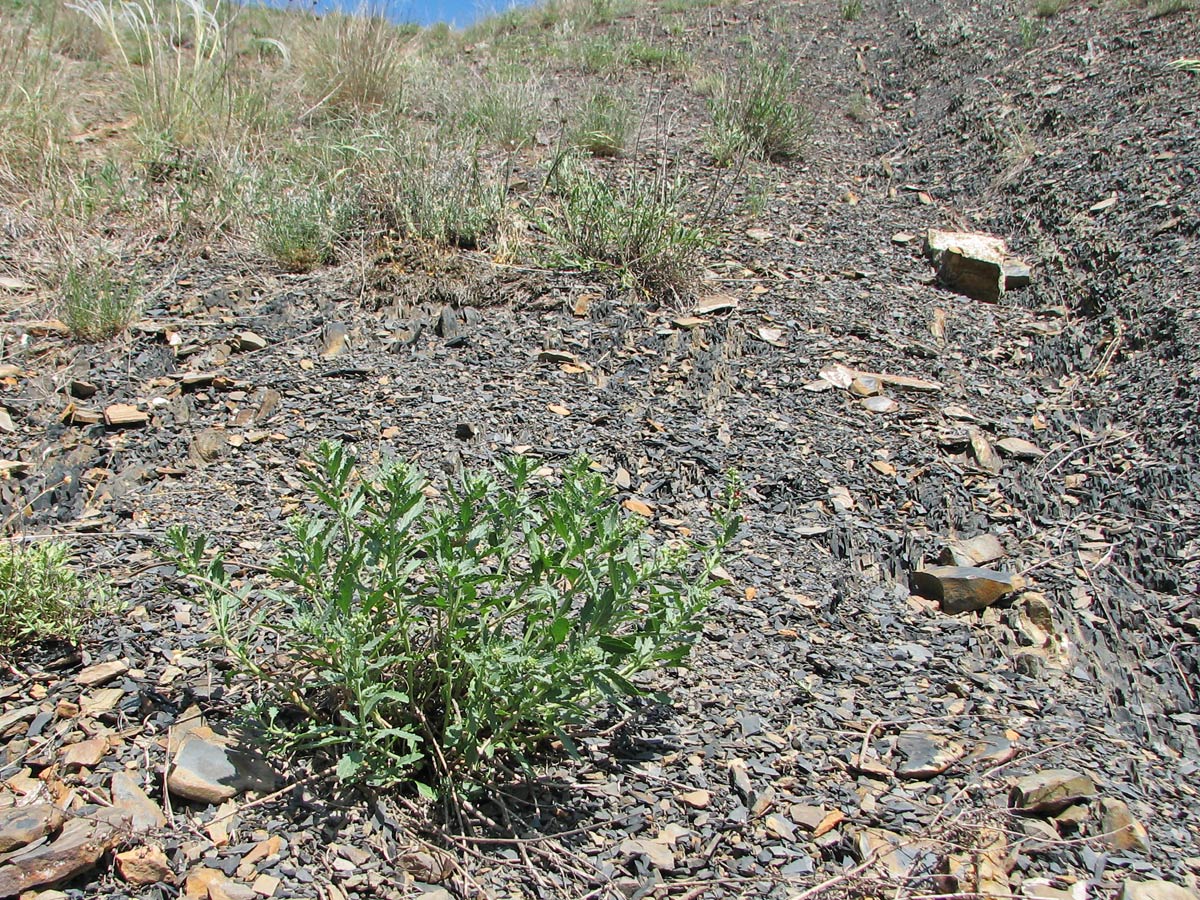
(259,131)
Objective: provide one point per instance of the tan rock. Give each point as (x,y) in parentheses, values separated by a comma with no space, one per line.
(132,808)
(200,879)
(209,772)
(144,865)
(1017,448)
(658,854)
(23,825)
(101,673)
(1156,890)
(697,799)
(1050,792)
(978,265)
(77,849)
(231,890)
(981,451)
(976,551)
(123,415)
(84,755)
(263,850)
(963,588)
(896,856)
(1119,830)
(248,341)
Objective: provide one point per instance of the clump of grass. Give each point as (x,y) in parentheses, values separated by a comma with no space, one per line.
(446,201)
(32,144)
(42,597)
(355,64)
(1031,31)
(1162,8)
(604,125)
(755,110)
(505,112)
(174,59)
(858,109)
(432,640)
(852,10)
(636,229)
(645,55)
(594,54)
(301,229)
(1048,9)
(1186,65)
(96,302)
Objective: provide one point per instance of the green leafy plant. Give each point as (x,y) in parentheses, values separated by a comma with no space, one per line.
(754,109)
(442,638)
(96,302)
(42,597)
(635,227)
(1186,65)
(852,10)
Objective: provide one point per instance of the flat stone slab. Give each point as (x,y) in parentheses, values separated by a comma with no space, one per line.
(25,824)
(211,773)
(978,265)
(963,588)
(77,849)
(1050,792)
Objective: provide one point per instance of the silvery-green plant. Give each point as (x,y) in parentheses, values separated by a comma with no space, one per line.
(411,637)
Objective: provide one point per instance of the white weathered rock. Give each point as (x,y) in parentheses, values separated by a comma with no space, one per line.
(978,265)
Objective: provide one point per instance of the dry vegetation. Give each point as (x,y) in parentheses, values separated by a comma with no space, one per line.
(192,124)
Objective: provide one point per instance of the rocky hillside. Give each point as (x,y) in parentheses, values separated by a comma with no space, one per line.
(944,329)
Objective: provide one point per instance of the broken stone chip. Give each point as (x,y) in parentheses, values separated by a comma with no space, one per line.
(144,865)
(1016,448)
(1049,792)
(978,265)
(123,415)
(976,551)
(865,386)
(77,849)
(1119,830)
(981,451)
(208,772)
(23,825)
(248,341)
(925,755)
(879,404)
(1156,889)
(963,588)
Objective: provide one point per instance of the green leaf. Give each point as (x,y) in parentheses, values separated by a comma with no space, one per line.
(349,765)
